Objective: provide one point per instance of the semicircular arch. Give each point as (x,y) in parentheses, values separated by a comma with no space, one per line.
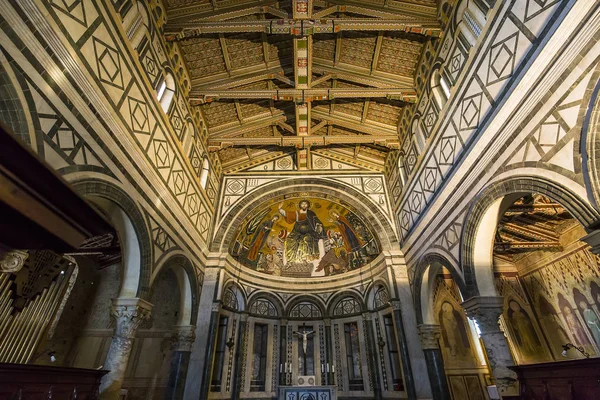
(97,188)
(490,201)
(428,266)
(353,199)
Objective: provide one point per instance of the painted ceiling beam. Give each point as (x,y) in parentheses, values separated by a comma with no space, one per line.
(302,142)
(302,28)
(362,76)
(526,245)
(392,9)
(208,12)
(554,208)
(529,231)
(249,126)
(354,124)
(252,74)
(246,79)
(305,95)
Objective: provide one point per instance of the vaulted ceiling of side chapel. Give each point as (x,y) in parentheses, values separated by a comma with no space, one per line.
(249,83)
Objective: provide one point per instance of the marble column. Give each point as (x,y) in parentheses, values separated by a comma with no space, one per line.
(409,382)
(282,351)
(430,341)
(487,311)
(199,367)
(128,315)
(239,354)
(328,354)
(209,354)
(373,359)
(181,345)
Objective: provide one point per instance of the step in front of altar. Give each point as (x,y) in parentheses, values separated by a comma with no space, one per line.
(306,393)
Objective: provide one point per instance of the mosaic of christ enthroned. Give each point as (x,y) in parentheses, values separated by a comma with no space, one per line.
(303,236)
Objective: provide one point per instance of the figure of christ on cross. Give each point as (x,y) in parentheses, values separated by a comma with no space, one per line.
(304,335)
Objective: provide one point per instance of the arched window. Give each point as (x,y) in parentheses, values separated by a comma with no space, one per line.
(418,135)
(230,299)
(136,23)
(439,88)
(263,307)
(190,138)
(305,309)
(166,91)
(381,297)
(204,173)
(402,170)
(347,306)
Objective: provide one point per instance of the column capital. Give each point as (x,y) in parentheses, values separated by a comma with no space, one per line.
(486,310)
(367,316)
(430,336)
(183,338)
(13,260)
(216,306)
(593,239)
(128,315)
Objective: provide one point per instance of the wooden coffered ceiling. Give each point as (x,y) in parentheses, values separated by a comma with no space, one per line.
(531,223)
(274,77)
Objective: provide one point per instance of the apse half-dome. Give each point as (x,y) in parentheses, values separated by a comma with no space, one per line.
(304,235)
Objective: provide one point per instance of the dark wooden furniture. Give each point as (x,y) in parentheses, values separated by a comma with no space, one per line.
(38,382)
(566,380)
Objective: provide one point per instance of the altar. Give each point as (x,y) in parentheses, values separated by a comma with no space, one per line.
(306,393)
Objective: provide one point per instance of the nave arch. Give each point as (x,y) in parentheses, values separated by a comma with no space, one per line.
(477,237)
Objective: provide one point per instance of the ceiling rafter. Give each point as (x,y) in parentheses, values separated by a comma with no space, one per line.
(353,124)
(377,51)
(355,160)
(391,8)
(529,231)
(361,76)
(248,126)
(226,58)
(235,79)
(211,12)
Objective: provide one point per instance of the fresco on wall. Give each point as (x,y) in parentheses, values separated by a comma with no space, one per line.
(457,350)
(565,290)
(304,236)
(523,331)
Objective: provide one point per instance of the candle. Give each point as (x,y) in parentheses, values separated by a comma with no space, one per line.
(322,368)
(280,365)
(327,367)
(333,368)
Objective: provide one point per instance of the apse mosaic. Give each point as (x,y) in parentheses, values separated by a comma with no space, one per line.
(304,236)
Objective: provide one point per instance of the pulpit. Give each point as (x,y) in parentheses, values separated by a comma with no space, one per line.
(306,393)
(566,380)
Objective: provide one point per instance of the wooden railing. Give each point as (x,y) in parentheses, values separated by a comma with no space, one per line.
(566,380)
(29,382)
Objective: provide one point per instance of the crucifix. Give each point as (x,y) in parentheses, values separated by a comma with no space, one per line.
(304,335)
